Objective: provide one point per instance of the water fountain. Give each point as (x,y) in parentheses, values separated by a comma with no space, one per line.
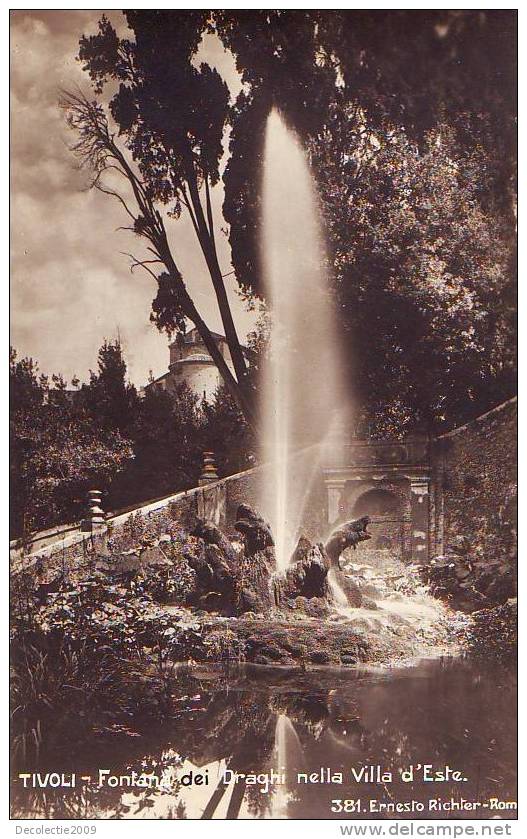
(302,394)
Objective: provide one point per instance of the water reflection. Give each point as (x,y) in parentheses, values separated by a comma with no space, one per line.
(254,735)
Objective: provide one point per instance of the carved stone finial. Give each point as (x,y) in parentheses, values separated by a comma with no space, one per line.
(95,519)
(208,473)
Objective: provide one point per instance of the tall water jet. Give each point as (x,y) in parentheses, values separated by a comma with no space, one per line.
(302,393)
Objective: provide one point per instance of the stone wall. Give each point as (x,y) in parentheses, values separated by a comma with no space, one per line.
(240,489)
(69,546)
(217,501)
(472,492)
(476,482)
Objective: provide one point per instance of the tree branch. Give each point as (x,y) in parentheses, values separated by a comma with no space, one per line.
(188,205)
(142,263)
(210,219)
(115,195)
(97,149)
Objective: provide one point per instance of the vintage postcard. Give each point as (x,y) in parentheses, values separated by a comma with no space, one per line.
(263,417)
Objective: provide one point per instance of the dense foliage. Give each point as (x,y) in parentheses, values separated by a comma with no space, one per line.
(57,450)
(166,436)
(422,258)
(103,435)
(171,115)
(226,433)
(411,133)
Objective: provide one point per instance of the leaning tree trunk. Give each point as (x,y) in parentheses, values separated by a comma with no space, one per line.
(233,386)
(205,234)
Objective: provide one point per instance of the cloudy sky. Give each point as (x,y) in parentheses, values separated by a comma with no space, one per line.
(70,284)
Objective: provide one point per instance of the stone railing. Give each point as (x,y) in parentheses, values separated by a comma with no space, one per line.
(214,499)
(470,471)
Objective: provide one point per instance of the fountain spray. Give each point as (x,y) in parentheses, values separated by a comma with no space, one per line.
(301,390)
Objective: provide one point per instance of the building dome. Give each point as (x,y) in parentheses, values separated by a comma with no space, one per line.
(191,363)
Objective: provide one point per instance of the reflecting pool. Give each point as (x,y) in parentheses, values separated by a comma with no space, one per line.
(256,742)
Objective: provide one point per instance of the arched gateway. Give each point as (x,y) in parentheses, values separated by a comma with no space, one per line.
(389,481)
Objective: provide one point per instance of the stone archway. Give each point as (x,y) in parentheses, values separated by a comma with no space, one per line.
(376,502)
(402,469)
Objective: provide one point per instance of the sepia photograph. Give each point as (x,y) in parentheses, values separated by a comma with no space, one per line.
(263,416)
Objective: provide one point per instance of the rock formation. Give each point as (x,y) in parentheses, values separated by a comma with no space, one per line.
(257,563)
(468,581)
(307,573)
(255,530)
